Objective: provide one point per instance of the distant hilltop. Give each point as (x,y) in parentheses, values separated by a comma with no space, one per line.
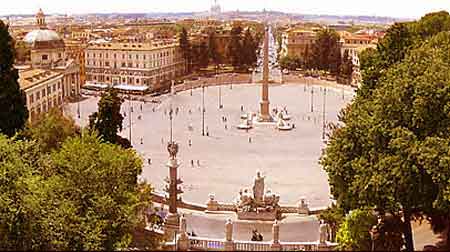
(240,14)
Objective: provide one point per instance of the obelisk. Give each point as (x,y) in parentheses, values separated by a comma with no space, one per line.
(264,115)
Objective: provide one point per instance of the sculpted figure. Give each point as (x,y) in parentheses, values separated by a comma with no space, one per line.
(258,188)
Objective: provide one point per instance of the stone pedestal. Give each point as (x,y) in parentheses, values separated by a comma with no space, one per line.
(172,226)
(212,204)
(303,207)
(229,244)
(182,237)
(275,246)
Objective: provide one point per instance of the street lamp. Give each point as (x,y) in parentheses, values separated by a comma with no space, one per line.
(203,109)
(220,92)
(323,115)
(312,99)
(78,109)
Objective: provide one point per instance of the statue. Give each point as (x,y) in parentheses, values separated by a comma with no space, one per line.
(258,188)
(323,232)
(172,147)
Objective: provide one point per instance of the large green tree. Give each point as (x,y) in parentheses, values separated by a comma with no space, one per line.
(81,196)
(326,54)
(186,48)
(108,120)
(385,153)
(213,53)
(235,47)
(13,112)
(249,49)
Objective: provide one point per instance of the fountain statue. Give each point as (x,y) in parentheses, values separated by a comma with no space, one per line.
(258,205)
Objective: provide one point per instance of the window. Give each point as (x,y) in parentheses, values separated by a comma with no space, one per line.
(130,64)
(31,98)
(129,56)
(59,85)
(114,55)
(107,64)
(45,57)
(93,56)
(54,87)
(145,57)
(59,55)
(137,81)
(123,56)
(137,56)
(49,90)
(43,93)
(123,64)
(38,96)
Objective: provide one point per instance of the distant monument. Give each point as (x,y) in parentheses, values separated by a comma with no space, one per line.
(259,205)
(264,113)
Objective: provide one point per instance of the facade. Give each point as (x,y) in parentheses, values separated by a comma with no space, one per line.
(297,43)
(43,90)
(129,63)
(48,51)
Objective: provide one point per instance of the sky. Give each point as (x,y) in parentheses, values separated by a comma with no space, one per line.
(391,8)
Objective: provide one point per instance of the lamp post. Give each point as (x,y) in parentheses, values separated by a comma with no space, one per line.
(220,92)
(203,109)
(129,115)
(78,109)
(312,99)
(323,111)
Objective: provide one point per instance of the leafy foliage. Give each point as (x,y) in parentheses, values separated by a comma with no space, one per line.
(108,120)
(354,232)
(13,113)
(389,149)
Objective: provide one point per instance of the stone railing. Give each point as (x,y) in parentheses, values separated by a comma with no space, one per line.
(203,243)
(252,246)
(185,242)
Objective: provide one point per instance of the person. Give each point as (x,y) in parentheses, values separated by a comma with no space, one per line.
(192,162)
(162,140)
(190,142)
(249,139)
(139,117)
(293,125)
(242,108)
(141,107)
(142,140)
(256,235)
(226,127)
(149,160)
(198,162)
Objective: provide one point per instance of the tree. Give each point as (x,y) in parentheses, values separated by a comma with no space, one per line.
(51,130)
(108,120)
(354,232)
(386,153)
(83,195)
(326,54)
(186,49)
(13,113)
(333,216)
(213,53)
(249,49)
(235,48)
(346,68)
(203,55)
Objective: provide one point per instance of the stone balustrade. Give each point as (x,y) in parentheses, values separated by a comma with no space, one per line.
(185,242)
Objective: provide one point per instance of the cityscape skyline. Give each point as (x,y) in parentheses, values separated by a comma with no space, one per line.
(416,8)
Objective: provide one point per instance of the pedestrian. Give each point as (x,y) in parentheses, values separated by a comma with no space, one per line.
(149,161)
(198,163)
(249,139)
(190,142)
(293,125)
(242,108)
(141,107)
(142,140)
(192,162)
(162,140)
(226,127)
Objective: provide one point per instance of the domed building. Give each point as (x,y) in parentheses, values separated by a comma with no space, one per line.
(47,47)
(47,51)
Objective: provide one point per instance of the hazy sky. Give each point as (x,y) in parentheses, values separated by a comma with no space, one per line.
(394,8)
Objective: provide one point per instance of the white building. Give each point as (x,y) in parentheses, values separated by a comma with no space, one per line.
(139,64)
(43,90)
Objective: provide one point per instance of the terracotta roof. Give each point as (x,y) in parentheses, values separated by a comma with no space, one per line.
(33,77)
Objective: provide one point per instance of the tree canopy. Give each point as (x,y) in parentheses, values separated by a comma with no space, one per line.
(13,112)
(389,150)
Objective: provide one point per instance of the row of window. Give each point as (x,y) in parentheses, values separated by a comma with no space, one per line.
(128,65)
(42,93)
(130,56)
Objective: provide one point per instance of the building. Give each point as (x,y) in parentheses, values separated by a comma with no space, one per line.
(149,64)
(43,90)
(297,43)
(48,51)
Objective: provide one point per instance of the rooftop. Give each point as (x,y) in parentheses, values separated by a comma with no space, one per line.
(33,77)
(130,46)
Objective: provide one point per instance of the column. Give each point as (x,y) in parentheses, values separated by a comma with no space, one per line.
(275,236)
(229,245)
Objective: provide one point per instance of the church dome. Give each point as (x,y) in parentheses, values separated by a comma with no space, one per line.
(43,39)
